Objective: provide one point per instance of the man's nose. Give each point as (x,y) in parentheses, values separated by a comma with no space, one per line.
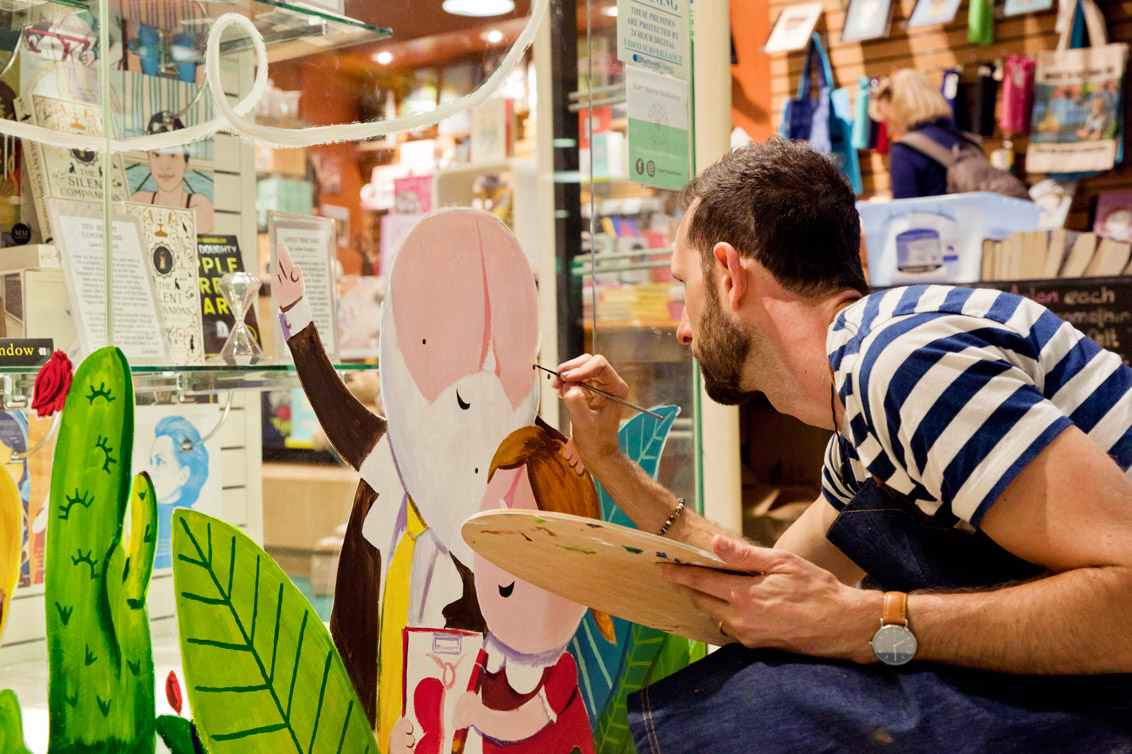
(684,330)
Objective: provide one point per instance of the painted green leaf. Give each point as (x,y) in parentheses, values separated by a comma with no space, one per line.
(11,724)
(261,671)
(609,673)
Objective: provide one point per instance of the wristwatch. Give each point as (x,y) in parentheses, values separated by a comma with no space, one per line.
(893,643)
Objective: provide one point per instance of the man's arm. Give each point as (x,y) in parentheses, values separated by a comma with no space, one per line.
(594,422)
(1070,510)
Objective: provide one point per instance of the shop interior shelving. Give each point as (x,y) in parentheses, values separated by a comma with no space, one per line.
(16,383)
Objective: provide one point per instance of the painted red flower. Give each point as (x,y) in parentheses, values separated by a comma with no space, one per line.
(173,692)
(51,385)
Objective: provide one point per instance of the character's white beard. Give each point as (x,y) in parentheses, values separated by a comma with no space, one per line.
(443,452)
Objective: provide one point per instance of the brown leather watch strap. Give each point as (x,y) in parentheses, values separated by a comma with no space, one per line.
(895,608)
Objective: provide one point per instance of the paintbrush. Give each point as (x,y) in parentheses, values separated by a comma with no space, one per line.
(602,393)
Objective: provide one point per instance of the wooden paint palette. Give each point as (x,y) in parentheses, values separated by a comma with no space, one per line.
(597,564)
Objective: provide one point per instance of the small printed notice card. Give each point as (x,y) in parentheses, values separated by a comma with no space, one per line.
(312,245)
(82,248)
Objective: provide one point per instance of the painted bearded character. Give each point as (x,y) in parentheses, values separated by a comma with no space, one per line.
(459,337)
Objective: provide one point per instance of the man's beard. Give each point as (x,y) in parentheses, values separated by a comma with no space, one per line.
(722,349)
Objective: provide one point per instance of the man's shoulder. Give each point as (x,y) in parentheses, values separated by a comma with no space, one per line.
(906,318)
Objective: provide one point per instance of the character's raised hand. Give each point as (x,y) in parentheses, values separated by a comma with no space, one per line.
(287,285)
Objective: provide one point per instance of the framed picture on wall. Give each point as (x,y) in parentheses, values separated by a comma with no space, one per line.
(794,26)
(866,19)
(930,12)
(1018,7)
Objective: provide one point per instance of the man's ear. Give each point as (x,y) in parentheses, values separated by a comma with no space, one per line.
(732,272)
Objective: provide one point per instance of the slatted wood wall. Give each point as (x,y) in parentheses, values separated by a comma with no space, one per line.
(933,49)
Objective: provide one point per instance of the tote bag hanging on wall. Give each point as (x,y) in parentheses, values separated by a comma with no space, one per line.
(1078,102)
(824,121)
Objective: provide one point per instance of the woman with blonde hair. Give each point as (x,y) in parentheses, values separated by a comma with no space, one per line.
(908,101)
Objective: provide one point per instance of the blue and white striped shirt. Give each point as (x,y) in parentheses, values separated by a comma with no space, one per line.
(950,392)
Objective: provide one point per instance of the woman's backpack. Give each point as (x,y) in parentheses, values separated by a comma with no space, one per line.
(968,169)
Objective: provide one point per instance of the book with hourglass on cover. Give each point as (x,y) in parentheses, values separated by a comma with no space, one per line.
(170,244)
(219,256)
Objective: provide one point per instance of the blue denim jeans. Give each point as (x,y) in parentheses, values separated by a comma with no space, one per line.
(739,700)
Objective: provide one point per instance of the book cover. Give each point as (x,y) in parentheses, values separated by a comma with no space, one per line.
(413,194)
(60,173)
(217,256)
(169,239)
(491,131)
(1113,218)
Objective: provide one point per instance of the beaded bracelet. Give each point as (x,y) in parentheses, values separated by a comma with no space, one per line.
(672,519)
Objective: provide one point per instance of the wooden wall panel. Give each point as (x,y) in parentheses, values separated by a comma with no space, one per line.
(932,49)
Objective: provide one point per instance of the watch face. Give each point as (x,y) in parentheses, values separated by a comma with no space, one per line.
(894,644)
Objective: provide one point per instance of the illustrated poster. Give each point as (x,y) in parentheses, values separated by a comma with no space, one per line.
(866,19)
(792,31)
(19,431)
(929,12)
(181,479)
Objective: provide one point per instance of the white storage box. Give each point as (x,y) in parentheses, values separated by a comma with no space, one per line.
(938,238)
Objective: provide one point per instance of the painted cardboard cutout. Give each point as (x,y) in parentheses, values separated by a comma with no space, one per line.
(459,337)
(460,333)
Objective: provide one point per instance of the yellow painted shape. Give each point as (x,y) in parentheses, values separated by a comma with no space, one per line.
(10,527)
(394,617)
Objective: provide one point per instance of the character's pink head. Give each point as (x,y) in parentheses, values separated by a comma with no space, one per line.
(529,472)
(471,304)
(459,337)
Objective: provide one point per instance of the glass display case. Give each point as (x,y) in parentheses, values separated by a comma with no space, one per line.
(620,298)
(110,120)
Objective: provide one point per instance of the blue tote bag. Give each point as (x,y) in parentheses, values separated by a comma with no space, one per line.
(825,121)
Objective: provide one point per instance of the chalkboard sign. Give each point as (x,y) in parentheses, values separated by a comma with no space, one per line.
(1099,307)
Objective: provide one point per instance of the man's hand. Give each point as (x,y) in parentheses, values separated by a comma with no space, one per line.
(786,603)
(287,285)
(594,420)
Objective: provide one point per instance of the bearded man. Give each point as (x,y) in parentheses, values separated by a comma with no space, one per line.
(977,473)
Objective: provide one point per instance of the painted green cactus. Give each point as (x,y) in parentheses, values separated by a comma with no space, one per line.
(11,725)
(101,688)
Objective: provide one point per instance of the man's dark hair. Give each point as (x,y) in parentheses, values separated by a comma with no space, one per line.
(785,205)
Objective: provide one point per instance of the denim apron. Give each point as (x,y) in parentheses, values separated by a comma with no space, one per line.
(741,700)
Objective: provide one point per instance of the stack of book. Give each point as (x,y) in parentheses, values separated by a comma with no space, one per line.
(1059,253)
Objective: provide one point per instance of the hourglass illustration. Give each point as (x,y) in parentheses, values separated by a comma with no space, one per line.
(239,290)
